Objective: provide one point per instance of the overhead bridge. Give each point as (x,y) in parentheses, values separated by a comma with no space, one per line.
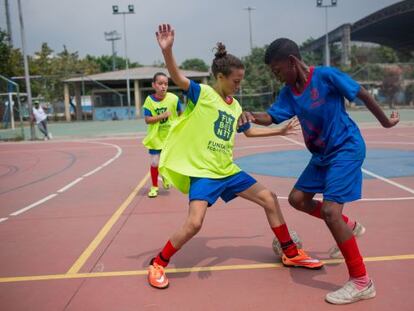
(392,26)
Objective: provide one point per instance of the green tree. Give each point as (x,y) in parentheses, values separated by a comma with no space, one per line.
(105,62)
(313,57)
(194,64)
(11,59)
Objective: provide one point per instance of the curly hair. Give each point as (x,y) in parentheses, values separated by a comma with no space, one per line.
(224,62)
(280,49)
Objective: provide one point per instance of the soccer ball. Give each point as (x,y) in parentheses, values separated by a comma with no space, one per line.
(295,238)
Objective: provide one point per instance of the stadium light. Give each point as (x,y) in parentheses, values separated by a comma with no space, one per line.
(319,4)
(115,11)
(249,9)
(112,36)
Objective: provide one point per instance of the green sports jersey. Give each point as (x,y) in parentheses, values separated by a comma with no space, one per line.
(201,143)
(157,132)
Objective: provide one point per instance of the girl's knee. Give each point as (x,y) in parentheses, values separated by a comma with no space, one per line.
(268,198)
(194,226)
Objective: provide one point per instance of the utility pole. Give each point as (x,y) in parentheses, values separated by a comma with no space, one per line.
(115,11)
(26,70)
(8,22)
(112,36)
(319,4)
(249,9)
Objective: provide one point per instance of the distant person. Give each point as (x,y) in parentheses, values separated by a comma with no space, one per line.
(40,117)
(198,158)
(6,114)
(160,110)
(315,95)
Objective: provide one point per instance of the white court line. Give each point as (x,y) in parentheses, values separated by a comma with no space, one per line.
(391,182)
(25,209)
(71,184)
(386,180)
(367,199)
(390,143)
(93,171)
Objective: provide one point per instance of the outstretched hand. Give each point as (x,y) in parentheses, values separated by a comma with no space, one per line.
(165,36)
(394,119)
(245,117)
(291,128)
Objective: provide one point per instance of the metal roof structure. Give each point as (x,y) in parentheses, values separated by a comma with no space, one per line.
(139,73)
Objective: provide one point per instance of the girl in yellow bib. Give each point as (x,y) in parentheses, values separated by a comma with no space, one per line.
(198,157)
(160,110)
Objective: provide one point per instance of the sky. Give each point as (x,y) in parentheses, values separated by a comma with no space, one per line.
(80,24)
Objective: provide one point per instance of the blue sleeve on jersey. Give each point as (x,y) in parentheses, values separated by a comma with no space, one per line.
(345,85)
(179,106)
(281,110)
(193,92)
(244,127)
(147,113)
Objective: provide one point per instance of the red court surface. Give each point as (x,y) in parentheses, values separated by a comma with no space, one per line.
(77,232)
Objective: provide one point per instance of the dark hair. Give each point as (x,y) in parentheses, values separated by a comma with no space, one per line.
(154,79)
(280,49)
(224,62)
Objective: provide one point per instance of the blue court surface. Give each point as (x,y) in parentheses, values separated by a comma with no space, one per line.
(388,163)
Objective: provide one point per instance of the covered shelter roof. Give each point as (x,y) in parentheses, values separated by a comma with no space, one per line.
(139,73)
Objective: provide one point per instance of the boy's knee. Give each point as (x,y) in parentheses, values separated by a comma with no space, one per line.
(330,215)
(294,200)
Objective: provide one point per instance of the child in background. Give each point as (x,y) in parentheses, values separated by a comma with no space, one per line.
(160,110)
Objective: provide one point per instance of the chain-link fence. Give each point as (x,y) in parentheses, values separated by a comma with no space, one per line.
(12,113)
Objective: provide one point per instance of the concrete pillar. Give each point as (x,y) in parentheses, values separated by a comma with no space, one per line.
(346,46)
(78,102)
(67,100)
(138,99)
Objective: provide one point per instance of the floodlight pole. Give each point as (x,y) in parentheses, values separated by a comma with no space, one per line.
(26,70)
(8,22)
(112,36)
(115,11)
(319,4)
(249,9)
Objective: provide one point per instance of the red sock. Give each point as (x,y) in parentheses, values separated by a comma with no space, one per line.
(353,258)
(154,176)
(164,256)
(317,213)
(288,246)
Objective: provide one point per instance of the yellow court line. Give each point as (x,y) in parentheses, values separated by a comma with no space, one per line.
(68,276)
(105,229)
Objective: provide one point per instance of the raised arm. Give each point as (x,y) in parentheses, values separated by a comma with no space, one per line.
(376,110)
(165,37)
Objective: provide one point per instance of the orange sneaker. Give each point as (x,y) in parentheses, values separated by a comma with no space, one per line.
(302,260)
(157,277)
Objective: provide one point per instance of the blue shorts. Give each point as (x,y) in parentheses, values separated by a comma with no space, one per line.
(209,189)
(339,181)
(154,151)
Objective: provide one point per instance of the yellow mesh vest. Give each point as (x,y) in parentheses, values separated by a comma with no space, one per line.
(157,132)
(201,143)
